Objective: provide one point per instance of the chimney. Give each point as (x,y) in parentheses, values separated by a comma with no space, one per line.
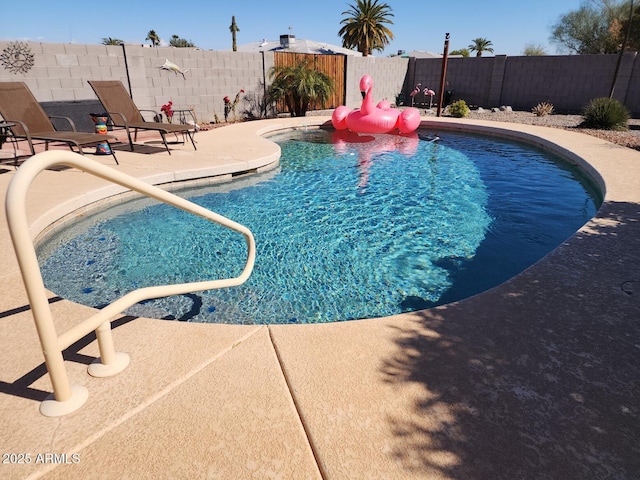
(287,41)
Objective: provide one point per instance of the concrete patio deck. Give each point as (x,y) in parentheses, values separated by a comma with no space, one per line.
(537,378)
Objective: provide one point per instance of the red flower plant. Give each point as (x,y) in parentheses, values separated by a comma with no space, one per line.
(231,107)
(167,109)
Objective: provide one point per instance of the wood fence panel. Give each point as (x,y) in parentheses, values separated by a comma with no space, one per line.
(331,65)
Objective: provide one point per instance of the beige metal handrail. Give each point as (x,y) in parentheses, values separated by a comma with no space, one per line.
(67,398)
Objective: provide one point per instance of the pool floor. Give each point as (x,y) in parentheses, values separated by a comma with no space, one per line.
(346,229)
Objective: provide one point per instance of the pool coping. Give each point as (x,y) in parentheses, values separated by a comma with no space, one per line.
(375,378)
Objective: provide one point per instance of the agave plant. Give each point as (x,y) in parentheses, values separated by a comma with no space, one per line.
(542,109)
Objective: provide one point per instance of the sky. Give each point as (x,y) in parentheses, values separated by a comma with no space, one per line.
(510,25)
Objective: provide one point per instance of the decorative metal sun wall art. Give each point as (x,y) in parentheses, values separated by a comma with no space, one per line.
(17,57)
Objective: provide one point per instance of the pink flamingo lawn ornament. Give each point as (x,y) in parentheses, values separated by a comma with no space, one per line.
(430,93)
(415,92)
(370,118)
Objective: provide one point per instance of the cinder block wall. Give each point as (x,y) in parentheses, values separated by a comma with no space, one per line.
(470,78)
(389,76)
(569,81)
(60,73)
(632,97)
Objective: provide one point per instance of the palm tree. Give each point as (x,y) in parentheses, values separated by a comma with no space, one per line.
(298,86)
(364,27)
(153,37)
(111,41)
(480,45)
(233,28)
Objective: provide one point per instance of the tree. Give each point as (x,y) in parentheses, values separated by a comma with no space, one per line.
(633,16)
(364,26)
(298,86)
(111,41)
(584,31)
(233,28)
(531,50)
(153,37)
(480,45)
(598,26)
(463,52)
(176,41)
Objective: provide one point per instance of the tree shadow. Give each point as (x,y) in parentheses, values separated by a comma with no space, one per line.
(538,378)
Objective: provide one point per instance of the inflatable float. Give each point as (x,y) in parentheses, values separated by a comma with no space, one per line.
(370,118)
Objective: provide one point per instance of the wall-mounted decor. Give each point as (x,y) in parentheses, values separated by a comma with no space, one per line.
(172,67)
(17,57)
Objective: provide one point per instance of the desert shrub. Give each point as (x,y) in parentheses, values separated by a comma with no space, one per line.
(459,109)
(256,105)
(542,109)
(605,113)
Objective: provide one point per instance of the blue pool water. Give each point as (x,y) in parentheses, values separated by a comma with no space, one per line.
(348,227)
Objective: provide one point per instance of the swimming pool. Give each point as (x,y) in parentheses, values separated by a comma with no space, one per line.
(349,227)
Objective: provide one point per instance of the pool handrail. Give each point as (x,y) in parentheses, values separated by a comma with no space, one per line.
(67,398)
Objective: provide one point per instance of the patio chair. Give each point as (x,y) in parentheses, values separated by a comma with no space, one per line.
(20,107)
(124,113)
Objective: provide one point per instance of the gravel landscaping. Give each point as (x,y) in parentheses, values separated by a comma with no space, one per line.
(629,138)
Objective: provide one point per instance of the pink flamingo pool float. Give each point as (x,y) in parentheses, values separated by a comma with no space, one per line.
(370,118)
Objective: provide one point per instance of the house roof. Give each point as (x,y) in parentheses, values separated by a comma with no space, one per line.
(428,54)
(288,43)
(424,54)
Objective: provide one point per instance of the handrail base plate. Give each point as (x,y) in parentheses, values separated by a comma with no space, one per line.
(51,407)
(100,370)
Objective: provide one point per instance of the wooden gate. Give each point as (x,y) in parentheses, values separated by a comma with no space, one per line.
(331,65)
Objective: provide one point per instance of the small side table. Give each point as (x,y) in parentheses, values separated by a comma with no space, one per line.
(183,113)
(7,135)
(183,118)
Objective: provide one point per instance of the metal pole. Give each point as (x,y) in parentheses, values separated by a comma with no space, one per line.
(443,73)
(264,87)
(624,45)
(126,67)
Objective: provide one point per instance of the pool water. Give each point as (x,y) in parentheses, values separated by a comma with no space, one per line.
(347,227)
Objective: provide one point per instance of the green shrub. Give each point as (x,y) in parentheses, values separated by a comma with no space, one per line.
(543,109)
(459,109)
(299,86)
(605,113)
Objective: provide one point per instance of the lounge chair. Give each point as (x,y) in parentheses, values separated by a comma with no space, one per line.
(19,106)
(124,113)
